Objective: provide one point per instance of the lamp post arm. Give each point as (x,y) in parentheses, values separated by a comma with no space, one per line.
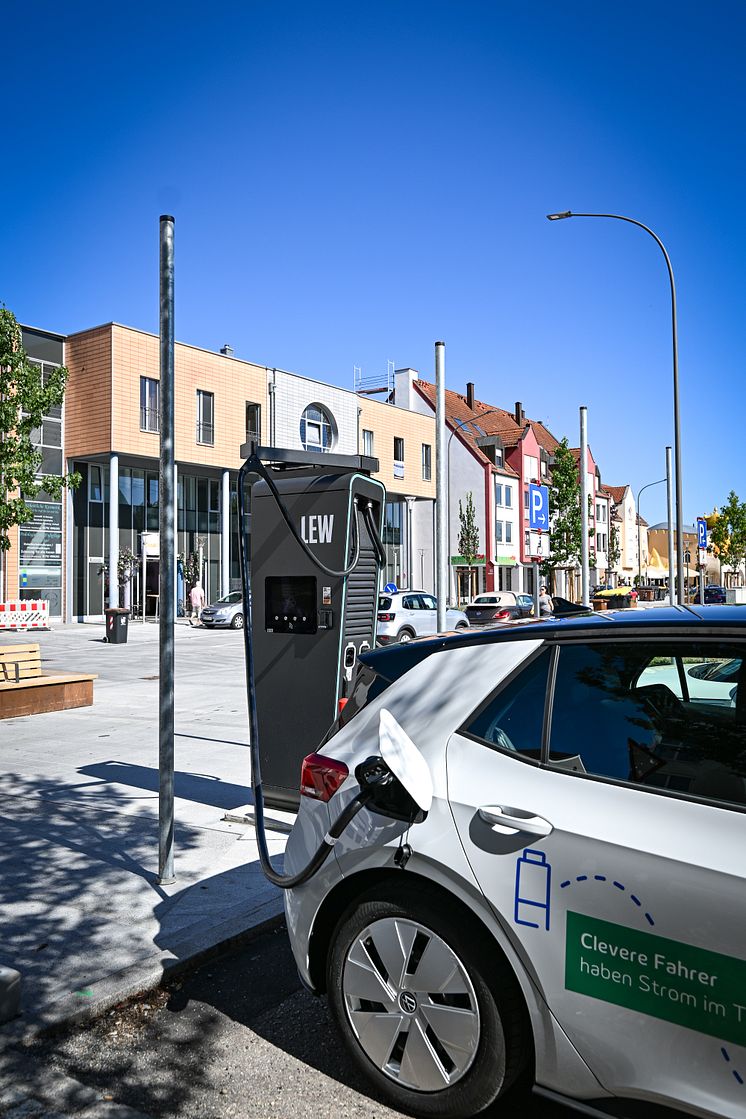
(676,413)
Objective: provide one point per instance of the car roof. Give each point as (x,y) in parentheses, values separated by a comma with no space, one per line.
(392,660)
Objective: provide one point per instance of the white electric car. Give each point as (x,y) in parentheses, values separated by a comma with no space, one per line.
(570,906)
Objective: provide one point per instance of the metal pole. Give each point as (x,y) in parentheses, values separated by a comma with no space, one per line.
(114,529)
(225,534)
(537,608)
(640,492)
(584,544)
(676,416)
(167,560)
(674,594)
(441,533)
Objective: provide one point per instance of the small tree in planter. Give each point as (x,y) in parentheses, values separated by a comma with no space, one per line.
(128,565)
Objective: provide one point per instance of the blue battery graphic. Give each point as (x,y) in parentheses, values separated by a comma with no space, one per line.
(533,879)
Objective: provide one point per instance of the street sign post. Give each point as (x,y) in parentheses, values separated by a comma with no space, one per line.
(701,532)
(538,508)
(702,546)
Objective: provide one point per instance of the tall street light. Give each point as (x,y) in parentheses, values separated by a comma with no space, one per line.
(640,492)
(676,420)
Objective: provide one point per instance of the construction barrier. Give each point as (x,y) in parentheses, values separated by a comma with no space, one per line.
(30,614)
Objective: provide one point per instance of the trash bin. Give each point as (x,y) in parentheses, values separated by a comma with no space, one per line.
(117,619)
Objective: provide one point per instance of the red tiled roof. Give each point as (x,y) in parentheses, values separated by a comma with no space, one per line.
(617,493)
(498,422)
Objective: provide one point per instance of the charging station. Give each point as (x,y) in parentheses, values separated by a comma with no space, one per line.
(309,624)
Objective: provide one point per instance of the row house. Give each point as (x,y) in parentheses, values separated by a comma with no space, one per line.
(108,432)
(631,534)
(492,455)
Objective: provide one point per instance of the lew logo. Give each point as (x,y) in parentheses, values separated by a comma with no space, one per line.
(317,529)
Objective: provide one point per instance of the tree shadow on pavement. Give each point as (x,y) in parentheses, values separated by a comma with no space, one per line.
(76,867)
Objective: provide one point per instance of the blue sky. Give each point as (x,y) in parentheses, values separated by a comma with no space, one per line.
(352,182)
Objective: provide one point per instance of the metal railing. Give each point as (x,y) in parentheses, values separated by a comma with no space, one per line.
(205,433)
(149,419)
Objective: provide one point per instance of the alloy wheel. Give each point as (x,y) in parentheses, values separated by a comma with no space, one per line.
(411,1004)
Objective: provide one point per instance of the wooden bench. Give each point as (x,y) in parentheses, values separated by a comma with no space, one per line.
(26,690)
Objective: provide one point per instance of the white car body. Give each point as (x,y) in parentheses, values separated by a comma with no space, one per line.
(604,885)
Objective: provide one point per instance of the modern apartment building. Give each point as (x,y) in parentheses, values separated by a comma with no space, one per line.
(108,431)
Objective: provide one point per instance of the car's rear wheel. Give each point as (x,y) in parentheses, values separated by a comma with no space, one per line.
(404,635)
(237,621)
(437,1025)
(461,626)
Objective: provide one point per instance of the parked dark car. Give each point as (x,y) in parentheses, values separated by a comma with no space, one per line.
(714,595)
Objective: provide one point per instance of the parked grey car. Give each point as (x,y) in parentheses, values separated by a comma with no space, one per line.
(409,614)
(227,611)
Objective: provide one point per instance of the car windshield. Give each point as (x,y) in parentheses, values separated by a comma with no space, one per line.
(234,596)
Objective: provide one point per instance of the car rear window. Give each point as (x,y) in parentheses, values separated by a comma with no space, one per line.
(384,603)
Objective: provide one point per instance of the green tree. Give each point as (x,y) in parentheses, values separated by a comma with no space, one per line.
(25,398)
(728,533)
(468,536)
(564,513)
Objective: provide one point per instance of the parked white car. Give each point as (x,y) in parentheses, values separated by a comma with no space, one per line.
(409,614)
(568,901)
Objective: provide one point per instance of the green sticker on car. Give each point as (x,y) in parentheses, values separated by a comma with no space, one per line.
(667,979)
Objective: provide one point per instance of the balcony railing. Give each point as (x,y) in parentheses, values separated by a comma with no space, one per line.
(205,433)
(398,468)
(149,420)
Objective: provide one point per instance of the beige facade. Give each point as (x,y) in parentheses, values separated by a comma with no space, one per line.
(388,423)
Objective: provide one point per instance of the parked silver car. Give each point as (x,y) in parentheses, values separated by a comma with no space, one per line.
(227,611)
(409,614)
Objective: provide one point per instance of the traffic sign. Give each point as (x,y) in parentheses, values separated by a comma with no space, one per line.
(538,507)
(701,532)
(390,588)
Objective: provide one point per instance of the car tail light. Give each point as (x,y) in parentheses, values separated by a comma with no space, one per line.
(386,617)
(500,615)
(321,777)
(341,704)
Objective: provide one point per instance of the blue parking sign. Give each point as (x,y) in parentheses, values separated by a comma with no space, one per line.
(701,532)
(538,507)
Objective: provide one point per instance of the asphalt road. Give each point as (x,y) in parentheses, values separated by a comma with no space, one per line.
(237,1037)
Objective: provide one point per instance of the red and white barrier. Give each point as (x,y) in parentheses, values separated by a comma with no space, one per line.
(30,614)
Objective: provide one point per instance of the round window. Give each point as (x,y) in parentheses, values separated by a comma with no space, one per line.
(317,429)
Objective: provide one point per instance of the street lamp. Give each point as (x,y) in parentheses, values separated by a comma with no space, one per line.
(676,418)
(457,427)
(639,552)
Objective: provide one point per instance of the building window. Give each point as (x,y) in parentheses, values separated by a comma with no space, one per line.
(398,457)
(530,468)
(368,442)
(95,488)
(150,402)
(205,417)
(508,532)
(498,532)
(543,468)
(427,468)
(499,456)
(253,422)
(508,497)
(316,429)
(498,494)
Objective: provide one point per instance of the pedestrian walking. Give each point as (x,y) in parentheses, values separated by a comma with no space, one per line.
(197,601)
(546,606)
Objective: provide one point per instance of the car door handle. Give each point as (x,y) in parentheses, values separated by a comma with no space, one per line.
(515,818)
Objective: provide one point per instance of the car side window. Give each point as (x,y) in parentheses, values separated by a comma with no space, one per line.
(653,714)
(513,718)
(411,602)
(428,602)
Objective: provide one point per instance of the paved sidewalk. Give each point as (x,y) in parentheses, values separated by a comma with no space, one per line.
(83,917)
